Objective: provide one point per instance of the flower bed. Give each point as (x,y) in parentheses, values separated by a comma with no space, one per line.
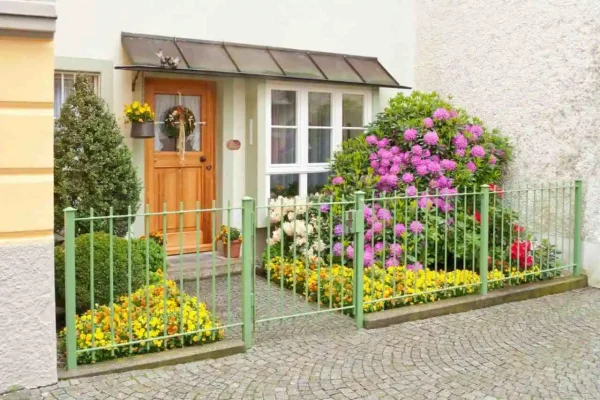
(386,288)
(194,322)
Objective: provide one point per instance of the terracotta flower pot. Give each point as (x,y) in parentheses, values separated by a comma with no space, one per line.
(232,249)
(142,130)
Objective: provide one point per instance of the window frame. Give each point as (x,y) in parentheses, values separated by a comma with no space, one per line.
(95,74)
(302,167)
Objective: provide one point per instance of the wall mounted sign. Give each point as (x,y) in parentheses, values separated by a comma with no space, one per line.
(234,144)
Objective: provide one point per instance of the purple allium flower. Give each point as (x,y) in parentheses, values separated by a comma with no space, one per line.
(478,151)
(417,150)
(383,143)
(426,153)
(374,164)
(371,139)
(416,227)
(460,141)
(385,162)
(368,235)
(368,257)
(324,208)
(415,267)
(395,150)
(431,138)
(391,180)
(338,180)
(382,170)
(338,230)
(394,169)
(460,152)
(471,166)
(337,249)
(408,177)
(448,165)
(384,214)
(476,130)
(443,182)
(422,170)
(350,252)
(410,135)
(391,262)
(368,212)
(434,167)
(416,160)
(441,114)
(395,249)
(386,154)
(493,159)
(378,247)
(428,123)
(377,227)
(435,158)
(399,229)
(411,191)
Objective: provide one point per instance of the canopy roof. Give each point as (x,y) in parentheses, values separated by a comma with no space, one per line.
(232,59)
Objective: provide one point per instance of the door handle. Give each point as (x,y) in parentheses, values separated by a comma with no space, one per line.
(202,158)
(208,167)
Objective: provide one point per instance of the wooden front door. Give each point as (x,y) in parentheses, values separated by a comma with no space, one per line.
(171,180)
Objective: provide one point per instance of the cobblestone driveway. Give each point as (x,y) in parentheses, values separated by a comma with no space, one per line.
(544,348)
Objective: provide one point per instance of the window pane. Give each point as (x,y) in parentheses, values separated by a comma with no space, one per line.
(254,61)
(319,145)
(283,146)
(351,133)
(69,83)
(297,64)
(336,68)
(283,107)
(284,185)
(315,182)
(206,56)
(58,100)
(371,71)
(319,109)
(162,104)
(352,110)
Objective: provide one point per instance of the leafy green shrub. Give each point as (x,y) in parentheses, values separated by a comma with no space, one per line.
(102,267)
(93,167)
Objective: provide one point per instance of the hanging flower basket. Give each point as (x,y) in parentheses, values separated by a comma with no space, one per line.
(141,118)
(173,118)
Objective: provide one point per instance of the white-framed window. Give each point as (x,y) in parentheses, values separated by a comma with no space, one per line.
(64,82)
(306,124)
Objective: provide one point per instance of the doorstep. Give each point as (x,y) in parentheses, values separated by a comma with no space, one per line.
(381,319)
(189,265)
(155,360)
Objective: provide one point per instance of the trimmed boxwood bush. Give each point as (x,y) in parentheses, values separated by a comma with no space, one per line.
(102,267)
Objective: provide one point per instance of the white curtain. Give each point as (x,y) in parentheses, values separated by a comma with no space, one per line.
(162,103)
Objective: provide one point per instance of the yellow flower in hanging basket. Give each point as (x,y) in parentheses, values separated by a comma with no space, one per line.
(135,113)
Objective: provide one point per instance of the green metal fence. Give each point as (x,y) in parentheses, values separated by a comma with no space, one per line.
(363,253)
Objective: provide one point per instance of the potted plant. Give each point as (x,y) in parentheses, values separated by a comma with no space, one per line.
(142,120)
(232,240)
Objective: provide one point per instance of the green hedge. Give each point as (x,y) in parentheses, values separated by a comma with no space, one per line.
(102,267)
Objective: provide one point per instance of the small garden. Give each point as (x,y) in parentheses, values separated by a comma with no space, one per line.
(421,165)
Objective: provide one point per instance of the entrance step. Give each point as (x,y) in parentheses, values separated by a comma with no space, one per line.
(190,264)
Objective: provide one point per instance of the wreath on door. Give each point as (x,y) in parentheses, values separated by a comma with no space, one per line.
(175,116)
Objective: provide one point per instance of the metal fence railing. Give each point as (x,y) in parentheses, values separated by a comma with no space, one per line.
(185,282)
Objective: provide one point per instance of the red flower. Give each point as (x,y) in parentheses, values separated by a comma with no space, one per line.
(497,189)
(520,251)
(519,228)
(477,216)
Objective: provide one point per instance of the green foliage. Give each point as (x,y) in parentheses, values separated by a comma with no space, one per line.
(102,267)
(93,166)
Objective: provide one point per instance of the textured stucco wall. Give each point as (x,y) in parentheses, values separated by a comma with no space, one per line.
(27,315)
(532,69)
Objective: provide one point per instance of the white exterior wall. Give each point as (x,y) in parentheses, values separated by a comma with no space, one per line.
(91,30)
(532,69)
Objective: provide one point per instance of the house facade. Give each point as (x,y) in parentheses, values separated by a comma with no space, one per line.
(286,95)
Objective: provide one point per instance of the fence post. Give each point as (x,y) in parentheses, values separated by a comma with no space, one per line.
(359,245)
(70,287)
(577,228)
(247,269)
(485,234)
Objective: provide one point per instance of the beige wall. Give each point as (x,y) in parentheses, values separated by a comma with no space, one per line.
(26,212)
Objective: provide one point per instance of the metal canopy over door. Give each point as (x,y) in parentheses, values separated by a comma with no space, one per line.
(172,180)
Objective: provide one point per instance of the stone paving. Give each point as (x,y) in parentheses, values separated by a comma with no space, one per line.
(548,348)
